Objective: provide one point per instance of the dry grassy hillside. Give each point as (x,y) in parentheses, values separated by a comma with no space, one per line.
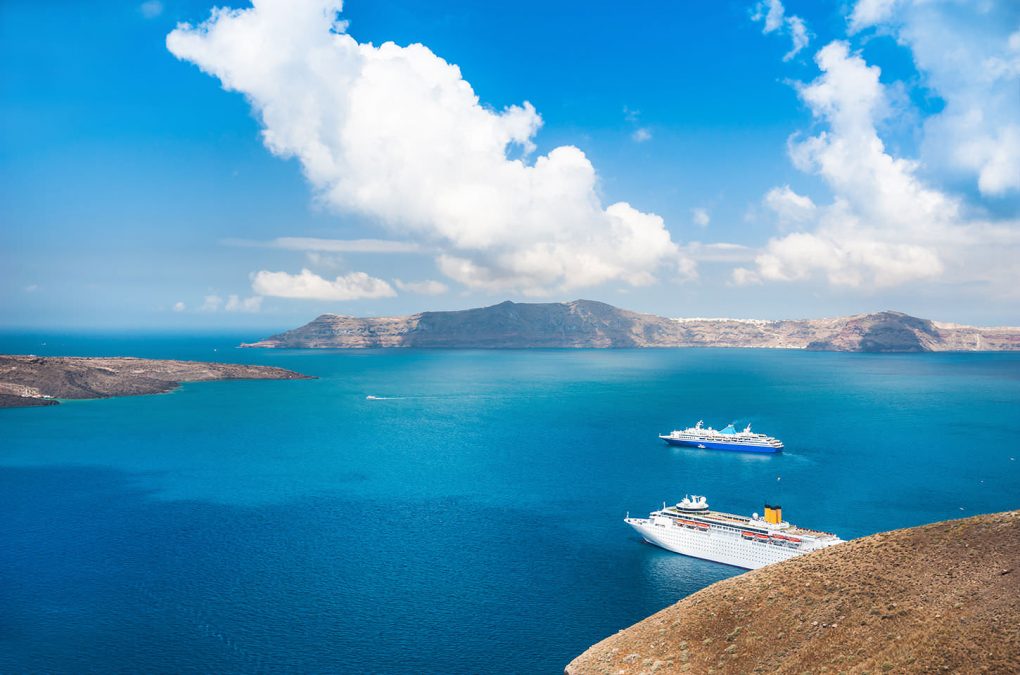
(938,598)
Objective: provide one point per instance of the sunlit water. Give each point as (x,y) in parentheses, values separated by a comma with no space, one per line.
(469,519)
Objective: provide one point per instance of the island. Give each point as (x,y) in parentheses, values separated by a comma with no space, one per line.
(27,380)
(938,598)
(590,324)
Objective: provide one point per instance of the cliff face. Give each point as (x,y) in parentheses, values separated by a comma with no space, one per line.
(938,598)
(508,325)
(584,323)
(33,380)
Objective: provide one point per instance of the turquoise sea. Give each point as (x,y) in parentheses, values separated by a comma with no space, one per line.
(470,520)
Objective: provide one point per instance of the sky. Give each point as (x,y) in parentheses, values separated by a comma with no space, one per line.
(171,165)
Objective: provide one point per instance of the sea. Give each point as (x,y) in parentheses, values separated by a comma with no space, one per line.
(468,519)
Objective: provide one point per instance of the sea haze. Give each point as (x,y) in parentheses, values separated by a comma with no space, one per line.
(470,519)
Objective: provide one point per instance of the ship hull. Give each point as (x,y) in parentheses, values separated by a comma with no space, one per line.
(713,545)
(733,447)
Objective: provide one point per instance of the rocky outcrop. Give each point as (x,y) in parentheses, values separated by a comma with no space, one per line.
(34,380)
(938,598)
(589,324)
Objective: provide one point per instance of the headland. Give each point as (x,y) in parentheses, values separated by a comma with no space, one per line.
(27,380)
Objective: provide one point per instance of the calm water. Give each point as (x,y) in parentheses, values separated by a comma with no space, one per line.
(472,521)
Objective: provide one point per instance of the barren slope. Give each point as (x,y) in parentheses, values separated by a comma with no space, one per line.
(938,598)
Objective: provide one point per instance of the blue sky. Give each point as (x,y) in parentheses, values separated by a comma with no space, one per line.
(851,176)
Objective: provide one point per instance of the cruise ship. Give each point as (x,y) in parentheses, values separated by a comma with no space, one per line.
(727,439)
(692,529)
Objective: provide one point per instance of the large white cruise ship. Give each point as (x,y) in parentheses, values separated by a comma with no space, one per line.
(692,529)
(726,439)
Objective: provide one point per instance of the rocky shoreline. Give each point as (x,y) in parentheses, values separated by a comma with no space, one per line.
(28,381)
(938,598)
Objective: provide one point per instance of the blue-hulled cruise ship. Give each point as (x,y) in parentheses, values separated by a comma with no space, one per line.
(727,439)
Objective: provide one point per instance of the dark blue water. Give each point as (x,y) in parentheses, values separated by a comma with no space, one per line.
(471,522)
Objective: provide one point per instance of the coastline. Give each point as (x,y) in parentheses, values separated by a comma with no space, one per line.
(35,381)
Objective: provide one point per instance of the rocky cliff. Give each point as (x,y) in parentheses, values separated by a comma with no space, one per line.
(33,380)
(584,323)
(938,598)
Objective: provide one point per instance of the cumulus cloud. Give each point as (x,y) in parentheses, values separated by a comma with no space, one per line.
(969,53)
(211,303)
(179,307)
(426,287)
(395,133)
(789,207)
(870,12)
(885,226)
(233,303)
(772,14)
(700,217)
(307,285)
(250,305)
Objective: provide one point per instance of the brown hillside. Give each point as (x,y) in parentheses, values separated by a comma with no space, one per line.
(27,380)
(938,598)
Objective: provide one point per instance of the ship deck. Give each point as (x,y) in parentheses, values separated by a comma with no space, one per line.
(733,520)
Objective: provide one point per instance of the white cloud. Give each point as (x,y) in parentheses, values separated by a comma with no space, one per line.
(31,288)
(426,287)
(885,226)
(700,217)
(211,303)
(151,9)
(772,14)
(720,252)
(798,36)
(969,53)
(744,277)
(250,305)
(395,133)
(310,286)
(641,135)
(870,12)
(179,307)
(790,207)
(330,245)
(329,261)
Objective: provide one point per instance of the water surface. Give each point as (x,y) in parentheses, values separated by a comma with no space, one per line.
(470,519)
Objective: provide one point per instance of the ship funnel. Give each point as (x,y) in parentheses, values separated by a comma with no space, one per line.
(773,514)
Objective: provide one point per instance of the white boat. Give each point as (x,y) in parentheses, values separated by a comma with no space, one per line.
(691,528)
(726,439)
